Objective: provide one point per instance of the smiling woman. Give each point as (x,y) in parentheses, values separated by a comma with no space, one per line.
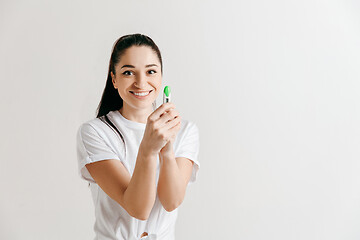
(139,80)
(137,159)
(111,100)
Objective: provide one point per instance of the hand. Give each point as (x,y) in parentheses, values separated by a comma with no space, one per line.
(168,149)
(161,127)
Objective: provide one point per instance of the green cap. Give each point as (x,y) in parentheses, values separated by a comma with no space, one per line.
(167,91)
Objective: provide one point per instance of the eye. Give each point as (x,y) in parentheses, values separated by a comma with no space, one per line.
(152,70)
(124,73)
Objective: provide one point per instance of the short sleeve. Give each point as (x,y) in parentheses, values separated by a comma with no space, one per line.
(91,148)
(189,148)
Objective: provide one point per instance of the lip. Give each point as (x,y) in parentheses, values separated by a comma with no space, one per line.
(141,91)
(141,97)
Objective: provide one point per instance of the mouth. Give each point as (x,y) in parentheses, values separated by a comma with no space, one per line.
(142,94)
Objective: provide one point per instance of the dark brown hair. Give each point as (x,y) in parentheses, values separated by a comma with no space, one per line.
(111,99)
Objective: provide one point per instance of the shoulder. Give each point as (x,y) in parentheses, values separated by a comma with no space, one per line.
(188,128)
(188,125)
(94,125)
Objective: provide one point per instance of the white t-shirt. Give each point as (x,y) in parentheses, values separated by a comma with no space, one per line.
(97,141)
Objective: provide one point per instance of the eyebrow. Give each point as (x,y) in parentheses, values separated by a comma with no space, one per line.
(131,66)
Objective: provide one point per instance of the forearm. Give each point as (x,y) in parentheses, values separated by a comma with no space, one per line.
(171,188)
(140,194)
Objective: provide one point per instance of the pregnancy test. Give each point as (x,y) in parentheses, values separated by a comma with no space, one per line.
(167,94)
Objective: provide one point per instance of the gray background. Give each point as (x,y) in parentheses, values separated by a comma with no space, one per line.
(272,85)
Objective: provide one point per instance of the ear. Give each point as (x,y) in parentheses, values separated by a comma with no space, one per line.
(113,79)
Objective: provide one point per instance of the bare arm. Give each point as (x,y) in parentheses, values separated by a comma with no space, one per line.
(174,176)
(136,193)
(141,192)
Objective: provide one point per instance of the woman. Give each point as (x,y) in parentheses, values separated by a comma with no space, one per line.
(137,159)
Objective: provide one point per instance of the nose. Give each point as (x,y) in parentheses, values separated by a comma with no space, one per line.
(141,81)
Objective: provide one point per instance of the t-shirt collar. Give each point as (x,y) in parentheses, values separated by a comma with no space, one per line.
(127,122)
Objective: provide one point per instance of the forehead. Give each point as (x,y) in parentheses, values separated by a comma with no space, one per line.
(139,56)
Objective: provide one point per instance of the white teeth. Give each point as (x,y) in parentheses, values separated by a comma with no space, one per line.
(141,94)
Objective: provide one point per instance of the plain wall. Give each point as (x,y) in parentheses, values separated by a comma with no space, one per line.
(272,85)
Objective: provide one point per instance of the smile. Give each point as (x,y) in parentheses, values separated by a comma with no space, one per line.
(141,94)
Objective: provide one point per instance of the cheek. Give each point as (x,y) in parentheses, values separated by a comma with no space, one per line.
(158,81)
(123,85)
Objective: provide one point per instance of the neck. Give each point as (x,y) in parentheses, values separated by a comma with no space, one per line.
(135,115)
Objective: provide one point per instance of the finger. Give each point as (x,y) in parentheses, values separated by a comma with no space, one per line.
(160,110)
(168,116)
(172,123)
(173,131)
(167,110)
